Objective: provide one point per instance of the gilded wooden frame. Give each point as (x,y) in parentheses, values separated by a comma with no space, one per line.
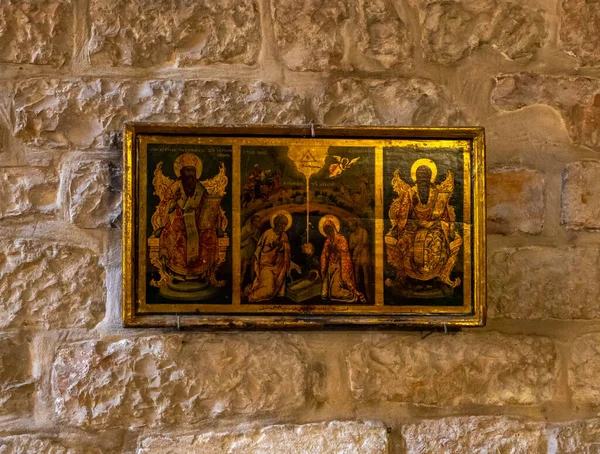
(465,142)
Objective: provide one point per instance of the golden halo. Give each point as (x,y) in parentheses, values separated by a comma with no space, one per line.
(285,213)
(329,217)
(187,160)
(423,162)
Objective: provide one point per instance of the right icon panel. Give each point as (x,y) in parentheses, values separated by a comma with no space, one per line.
(424,226)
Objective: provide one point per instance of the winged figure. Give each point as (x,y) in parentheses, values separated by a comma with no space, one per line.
(340,165)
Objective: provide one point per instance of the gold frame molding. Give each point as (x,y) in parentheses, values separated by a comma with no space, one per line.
(137,313)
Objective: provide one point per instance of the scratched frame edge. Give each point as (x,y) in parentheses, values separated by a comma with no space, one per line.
(302,321)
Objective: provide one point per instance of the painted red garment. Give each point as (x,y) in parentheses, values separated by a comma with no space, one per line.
(189,238)
(337,271)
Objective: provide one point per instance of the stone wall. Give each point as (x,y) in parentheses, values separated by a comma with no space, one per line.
(73,381)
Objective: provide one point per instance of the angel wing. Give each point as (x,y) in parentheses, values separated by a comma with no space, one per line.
(399,208)
(448,184)
(216,185)
(400,186)
(161,182)
(161,185)
(353,161)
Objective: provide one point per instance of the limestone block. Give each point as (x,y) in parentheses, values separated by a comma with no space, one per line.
(385,102)
(94,195)
(580,203)
(452,370)
(473,434)
(584,368)
(309,33)
(49,285)
(27,190)
(348,437)
(381,34)
(177,379)
(142,34)
(535,133)
(451,30)
(581,437)
(84,113)
(576,98)
(36,444)
(16,381)
(37,32)
(544,282)
(580,21)
(515,201)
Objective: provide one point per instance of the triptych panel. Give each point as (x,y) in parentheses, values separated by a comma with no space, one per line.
(283,226)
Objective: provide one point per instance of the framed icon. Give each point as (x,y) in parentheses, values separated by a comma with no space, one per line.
(300,227)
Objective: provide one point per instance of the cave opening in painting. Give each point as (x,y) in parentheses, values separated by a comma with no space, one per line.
(250,230)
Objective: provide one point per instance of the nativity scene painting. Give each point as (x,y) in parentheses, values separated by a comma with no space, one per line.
(307,234)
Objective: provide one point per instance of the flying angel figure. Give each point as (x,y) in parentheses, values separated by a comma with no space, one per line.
(341,165)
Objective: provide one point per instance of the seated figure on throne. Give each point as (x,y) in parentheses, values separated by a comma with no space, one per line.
(422,243)
(189,224)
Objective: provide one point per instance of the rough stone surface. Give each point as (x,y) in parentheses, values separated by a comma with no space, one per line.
(579,30)
(576,98)
(580,203)
(146,33)
(73,381)
(385,102)
(49,286)
(309,33)
(451,30)
(473,435)
(515,201)
(27,190)
(581,437)
(324,438)
(94,198)
(487,369)
(28,444)
(382,35)
(16,380)
(85,112)
(37,32)
(177,379)
(584,368)
(544,282)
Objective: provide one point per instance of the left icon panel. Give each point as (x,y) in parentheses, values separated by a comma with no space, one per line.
(188,224)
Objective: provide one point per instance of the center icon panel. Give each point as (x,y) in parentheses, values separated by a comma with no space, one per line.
(307,225)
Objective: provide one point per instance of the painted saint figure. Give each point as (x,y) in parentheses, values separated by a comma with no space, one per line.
(272,260)
(361,255)
(423,243)
(249,239)
(336,265)
(188,239)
